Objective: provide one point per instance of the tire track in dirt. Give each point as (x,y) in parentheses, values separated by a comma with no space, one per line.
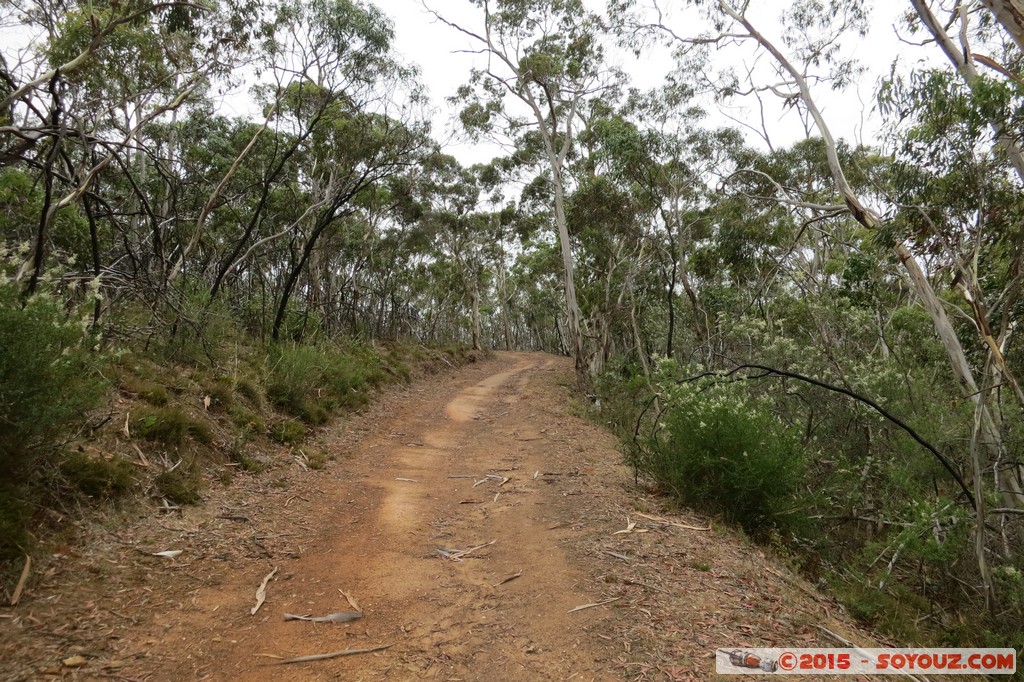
(445,619)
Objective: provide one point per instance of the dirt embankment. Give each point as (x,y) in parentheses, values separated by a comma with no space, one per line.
(467,517)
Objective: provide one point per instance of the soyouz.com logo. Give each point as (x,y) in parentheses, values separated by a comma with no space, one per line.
(761,661)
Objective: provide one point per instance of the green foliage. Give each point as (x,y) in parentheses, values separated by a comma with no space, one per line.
(246,420)
(315,459)
(221,394)
(288,432)
(97,477)
(14,519)
(239,454)
(179,486)
(48,378)
(311,382)
(719,450)
(151,392)
(200,332)
(170,426)
(249,390)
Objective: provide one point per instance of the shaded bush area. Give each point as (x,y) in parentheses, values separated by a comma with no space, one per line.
(712,448)
(729,455)
(310,382)
(48,382)
(850,498)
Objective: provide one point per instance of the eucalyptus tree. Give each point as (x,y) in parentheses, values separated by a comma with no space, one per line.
(451,199)
(89,101)
(544,57)
(810,42)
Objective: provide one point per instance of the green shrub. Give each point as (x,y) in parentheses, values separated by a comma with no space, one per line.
(179,487)
(47,380)
(309,382)
(315,459)
(152,393)
(170,426)
(14,517)
(246,420)
(240,456)
(97,477)
(249,390)
(722,452)
(288,432)
(221,394)
(200,331)
(163,425)
(252,465)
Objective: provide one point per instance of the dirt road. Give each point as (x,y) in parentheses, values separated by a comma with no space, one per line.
(419,485)
(491,459)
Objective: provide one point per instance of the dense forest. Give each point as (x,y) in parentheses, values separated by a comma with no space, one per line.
(815,340)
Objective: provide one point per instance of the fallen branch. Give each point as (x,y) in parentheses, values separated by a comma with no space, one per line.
(236,517)
(509,579)
(22,581)
(341,617)
(335,654)
(658,519)
(261,591)
(590,606)
(458,554)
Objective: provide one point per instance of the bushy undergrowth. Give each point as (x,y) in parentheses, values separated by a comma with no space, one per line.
(714,448)
(843,492)
(48,382)
(721,451)
(311,382)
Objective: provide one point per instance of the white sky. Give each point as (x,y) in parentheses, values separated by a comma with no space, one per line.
(431,45)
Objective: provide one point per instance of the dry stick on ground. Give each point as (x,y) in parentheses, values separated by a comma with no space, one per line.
(658,519)
(509,579)
(351,600)
(590,606)
(22,581)
(341,617)
(261,591)
(236,517)
(457,555)
(335,654)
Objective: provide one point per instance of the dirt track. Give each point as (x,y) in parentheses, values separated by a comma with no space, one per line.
(380,545)
(491,453)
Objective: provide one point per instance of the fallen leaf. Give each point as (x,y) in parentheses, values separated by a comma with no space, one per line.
(351,600)
(261,592)
(170,554)
(74,662)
